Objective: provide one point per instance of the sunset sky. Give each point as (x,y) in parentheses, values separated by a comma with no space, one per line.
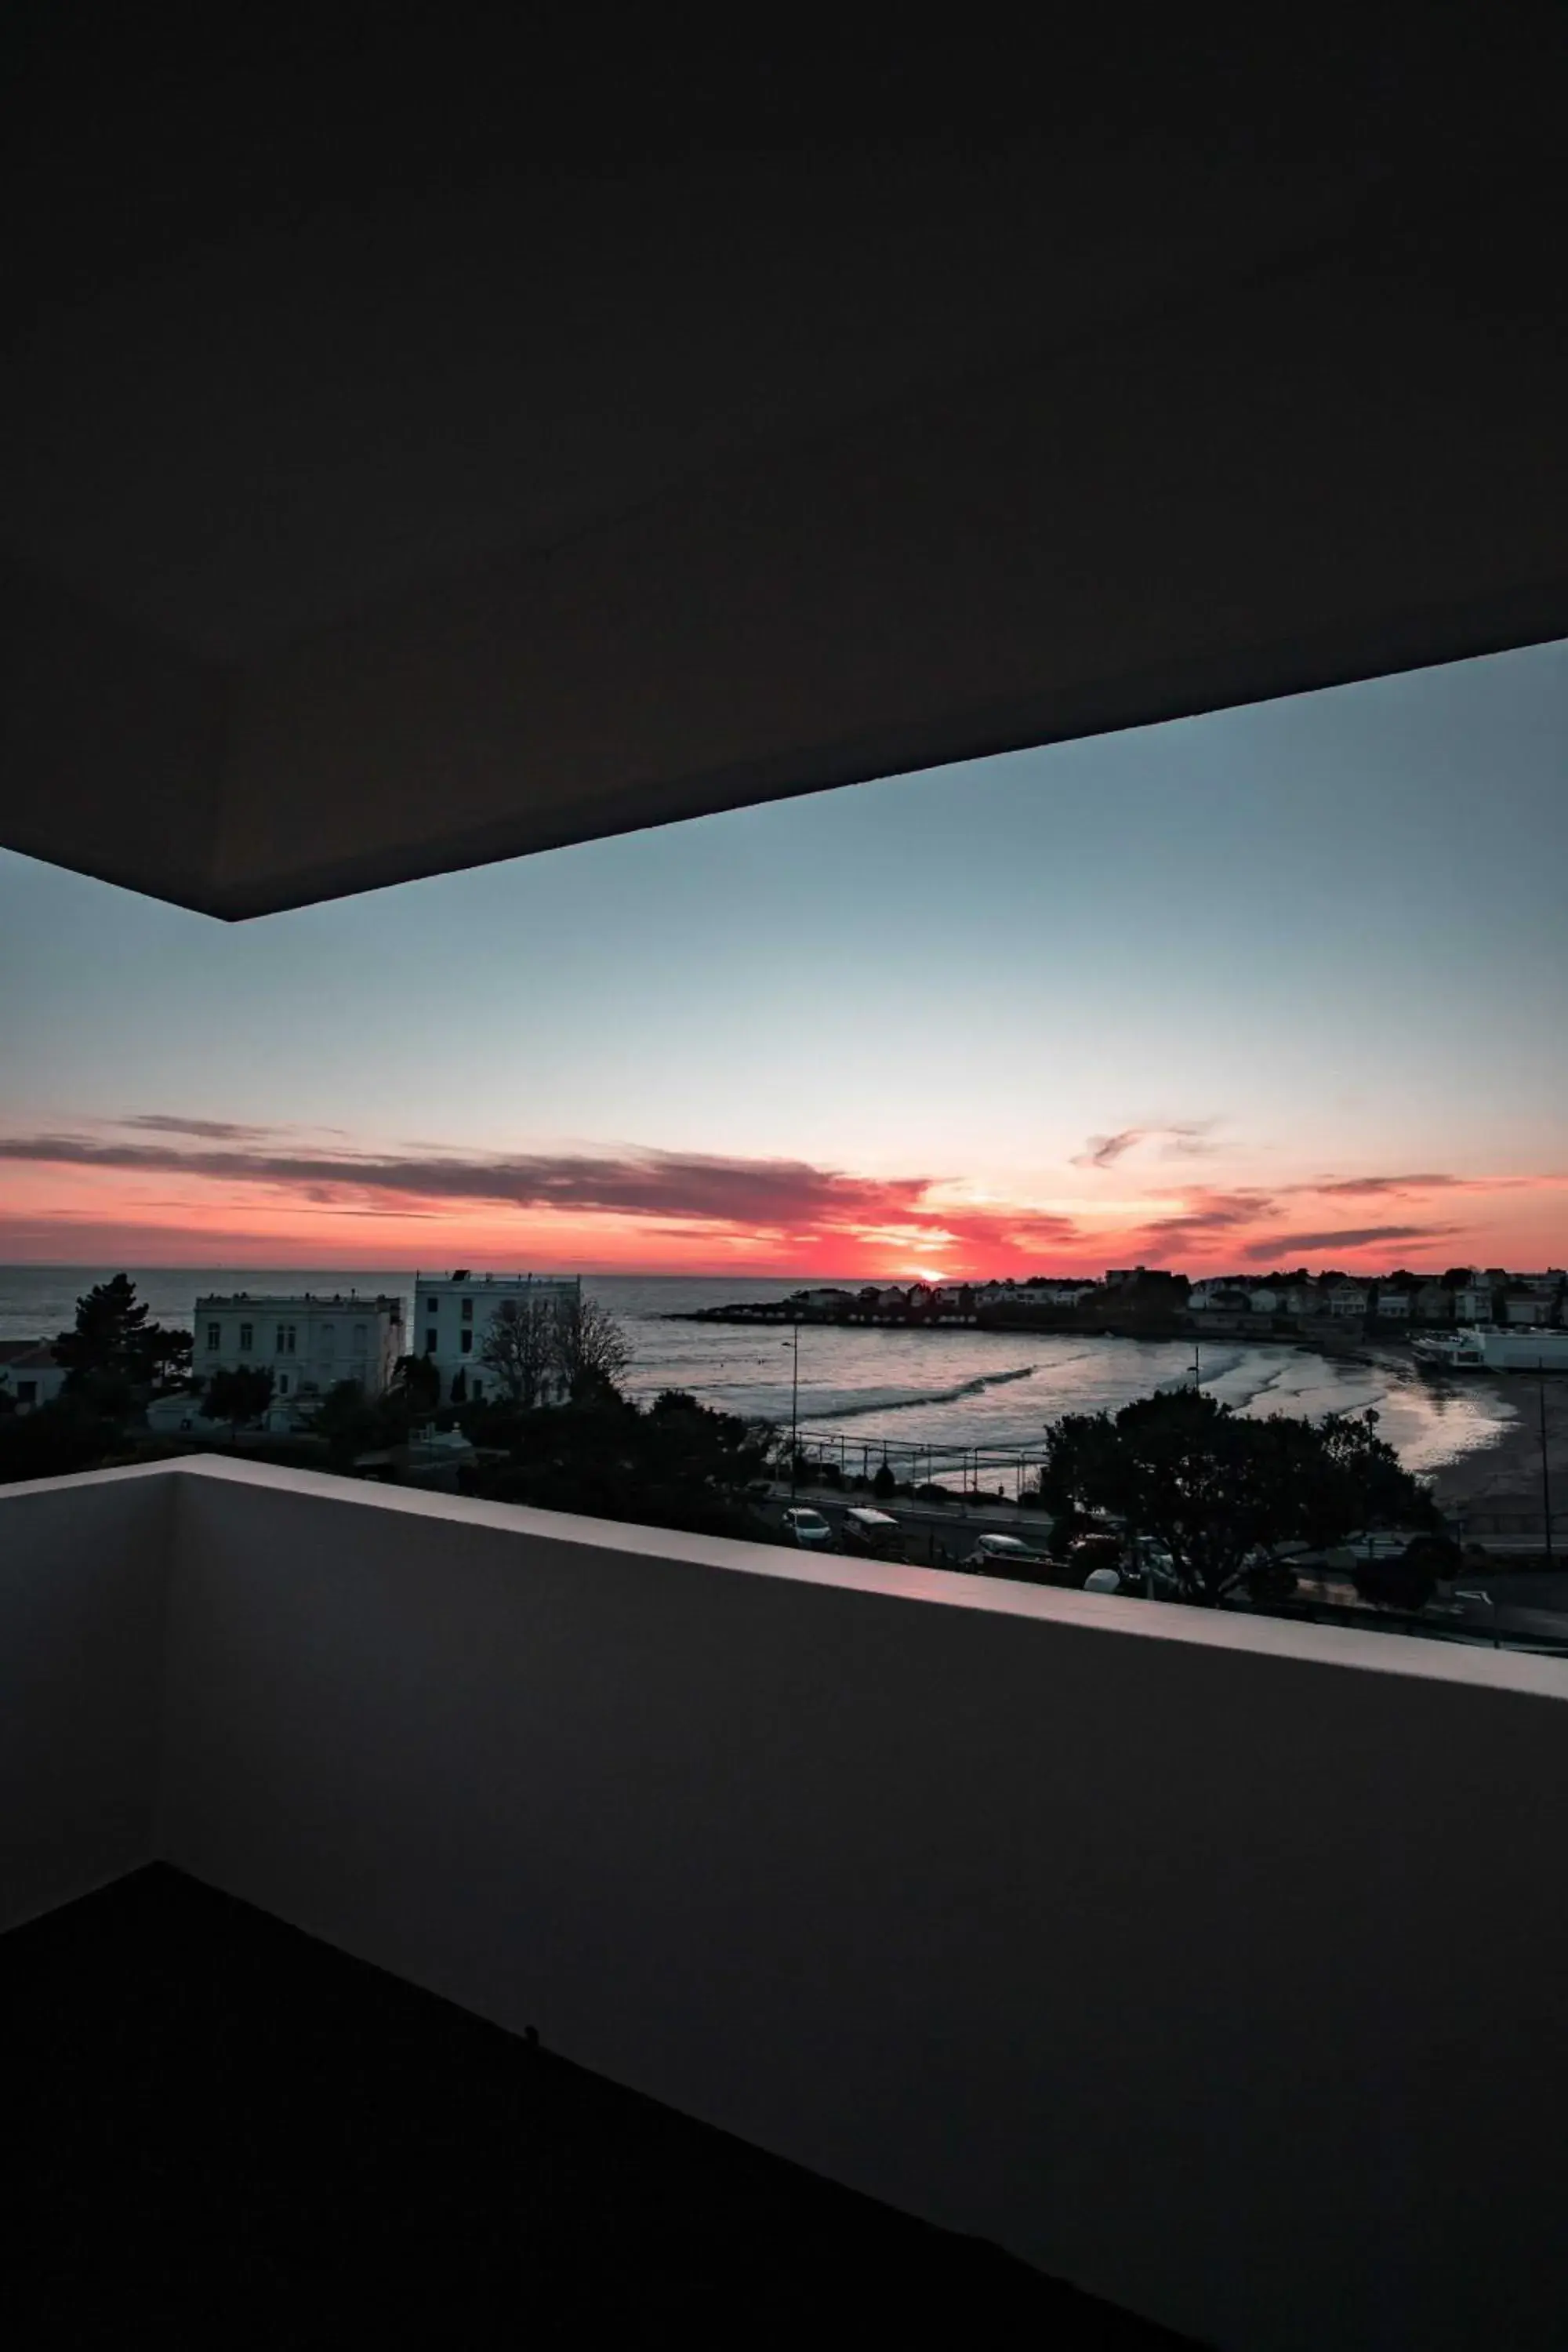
(1281,985)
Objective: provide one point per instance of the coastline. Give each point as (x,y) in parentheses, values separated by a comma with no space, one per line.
(1506,1476)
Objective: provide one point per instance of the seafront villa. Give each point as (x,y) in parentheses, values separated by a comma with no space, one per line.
(308,1343)
(453,1314)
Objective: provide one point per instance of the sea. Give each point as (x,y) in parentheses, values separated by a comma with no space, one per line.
(945,1394)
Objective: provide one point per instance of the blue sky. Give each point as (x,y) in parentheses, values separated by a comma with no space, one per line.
(1309,943)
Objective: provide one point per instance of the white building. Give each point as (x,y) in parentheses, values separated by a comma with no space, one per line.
(1219,1294)
(308,1343)
(29,1374)
(1350,1299)
(452,1313)
(1473,1303)
(1394,1304)
(1266,1301)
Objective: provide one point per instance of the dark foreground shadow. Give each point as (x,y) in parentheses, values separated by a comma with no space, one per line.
(224,2130)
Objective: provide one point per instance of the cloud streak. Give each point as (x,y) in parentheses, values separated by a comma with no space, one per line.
(1184,1139)
(670,1205)
(1276,1248)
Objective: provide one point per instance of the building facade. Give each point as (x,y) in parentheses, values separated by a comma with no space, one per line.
(29,1373)
(308,1344)
(453,1312)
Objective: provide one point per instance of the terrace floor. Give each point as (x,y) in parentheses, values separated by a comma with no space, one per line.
(226,2130)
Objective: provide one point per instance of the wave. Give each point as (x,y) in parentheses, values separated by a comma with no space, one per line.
(931,1396)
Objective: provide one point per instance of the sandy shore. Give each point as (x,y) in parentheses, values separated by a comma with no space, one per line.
(1506,1476)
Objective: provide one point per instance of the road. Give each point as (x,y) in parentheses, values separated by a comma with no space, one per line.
(935,1535)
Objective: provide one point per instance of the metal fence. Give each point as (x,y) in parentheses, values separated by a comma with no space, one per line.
(967,1469)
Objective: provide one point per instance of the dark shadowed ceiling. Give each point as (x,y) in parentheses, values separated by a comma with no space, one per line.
(430,444)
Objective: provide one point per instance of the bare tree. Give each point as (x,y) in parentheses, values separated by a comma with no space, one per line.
(521,1348)
(591,1348)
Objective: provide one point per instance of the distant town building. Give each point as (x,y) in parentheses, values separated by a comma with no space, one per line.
(1264,1300)
(1394,1305)
(30,1374)
(1531,1307)
(1473,1302)
(1220,1297)
(1350,1299)
(452,1313)
(308,1343)
(1433,1304)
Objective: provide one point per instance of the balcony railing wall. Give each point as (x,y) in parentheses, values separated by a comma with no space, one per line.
(1213,1965)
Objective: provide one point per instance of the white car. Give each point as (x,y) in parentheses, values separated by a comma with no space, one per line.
(808,1530)
(994,1555)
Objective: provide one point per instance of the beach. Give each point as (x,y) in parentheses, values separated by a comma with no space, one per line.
(1504,1476)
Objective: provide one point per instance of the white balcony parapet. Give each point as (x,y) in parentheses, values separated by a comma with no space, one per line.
(1210,1963)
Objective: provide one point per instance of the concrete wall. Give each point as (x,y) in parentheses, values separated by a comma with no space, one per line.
(84,1577)
(1211,1966)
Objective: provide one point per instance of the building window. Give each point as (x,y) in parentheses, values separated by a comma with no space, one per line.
(329,1338)
(215,1338)
(27,1392)
(246,1337)
(432,1340)
(359,1339)
(467,1343)
(467,1310)
(282,1383)
(285,1339)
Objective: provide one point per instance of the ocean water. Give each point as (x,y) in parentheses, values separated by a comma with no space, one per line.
(945,1390)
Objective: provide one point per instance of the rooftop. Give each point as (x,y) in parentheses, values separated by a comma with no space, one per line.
(38,1354)
(297,1297)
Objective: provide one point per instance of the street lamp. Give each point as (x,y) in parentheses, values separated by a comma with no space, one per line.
(794,1413)
(1545,1463)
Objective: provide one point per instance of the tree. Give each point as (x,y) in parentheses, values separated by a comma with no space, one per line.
(415,1384)
(348,1422)
(677,1464)
(56,1440)
(109,1335)
(521,1347)
(1408,1583)
(165,1356)
(240,1395)
(1222,1493)
(114,1348)
(591,1350)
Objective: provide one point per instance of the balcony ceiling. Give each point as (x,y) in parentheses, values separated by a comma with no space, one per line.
(420,455)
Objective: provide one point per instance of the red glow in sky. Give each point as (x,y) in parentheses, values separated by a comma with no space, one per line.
(159,1191)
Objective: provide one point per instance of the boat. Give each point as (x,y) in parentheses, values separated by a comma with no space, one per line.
(1485,1349)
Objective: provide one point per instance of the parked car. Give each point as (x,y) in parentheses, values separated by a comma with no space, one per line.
(873,1535)
(807,1531)
(1091,1553)
(1003,1556)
